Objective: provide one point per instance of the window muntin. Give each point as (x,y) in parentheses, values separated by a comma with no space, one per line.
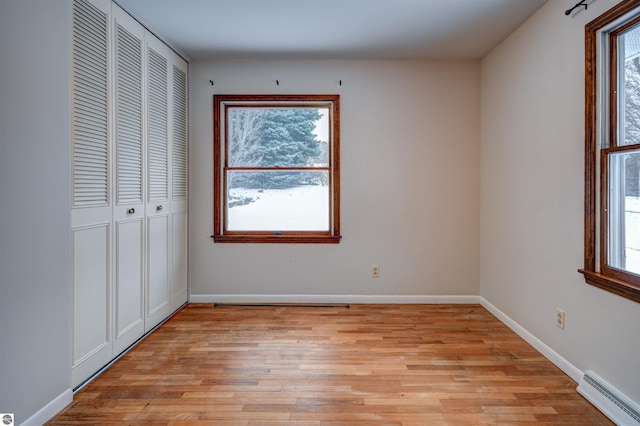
(612,142)
(276,171)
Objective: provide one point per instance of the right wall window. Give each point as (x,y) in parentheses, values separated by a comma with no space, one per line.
(612,151)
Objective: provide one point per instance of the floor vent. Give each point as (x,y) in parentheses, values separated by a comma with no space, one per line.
(608,400)
(285,305)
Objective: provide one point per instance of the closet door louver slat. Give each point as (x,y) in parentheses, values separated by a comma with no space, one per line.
(90,106)
(129,116)
(179,160)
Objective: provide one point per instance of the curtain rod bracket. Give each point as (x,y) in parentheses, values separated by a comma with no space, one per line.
(581,3)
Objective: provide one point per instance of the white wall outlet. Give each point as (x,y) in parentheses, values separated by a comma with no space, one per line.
(375,271)
(560,318)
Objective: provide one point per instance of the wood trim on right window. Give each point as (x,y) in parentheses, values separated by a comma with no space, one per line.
(602,144)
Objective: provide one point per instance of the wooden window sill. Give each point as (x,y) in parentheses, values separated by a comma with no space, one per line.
(613,285)
(278,239)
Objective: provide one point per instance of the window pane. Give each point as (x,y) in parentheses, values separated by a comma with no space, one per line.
(624,211)
(278,201)
(244,126)
(278,137)
(629,126)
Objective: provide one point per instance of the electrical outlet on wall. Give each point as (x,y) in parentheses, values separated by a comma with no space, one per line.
(560,318)
(375,271)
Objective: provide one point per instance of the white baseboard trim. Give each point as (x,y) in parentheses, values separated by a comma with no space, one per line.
(50,410)
(329,298)
(571,370)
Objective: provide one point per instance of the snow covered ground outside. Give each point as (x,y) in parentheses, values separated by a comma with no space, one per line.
(301,208)
(632,234)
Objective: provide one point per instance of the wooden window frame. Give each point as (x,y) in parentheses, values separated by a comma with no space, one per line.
(221,234)
(610,24)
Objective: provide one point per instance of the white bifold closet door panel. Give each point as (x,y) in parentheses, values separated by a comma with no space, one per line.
(158,295)
(179,182)
(128,212)
(91,188)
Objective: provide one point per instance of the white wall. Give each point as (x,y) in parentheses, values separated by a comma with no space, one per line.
(409,181)
(532,162)
(35,272)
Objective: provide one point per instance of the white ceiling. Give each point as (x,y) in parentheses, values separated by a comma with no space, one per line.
(333,29)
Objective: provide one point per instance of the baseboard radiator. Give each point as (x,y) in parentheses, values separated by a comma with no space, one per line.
(607,399)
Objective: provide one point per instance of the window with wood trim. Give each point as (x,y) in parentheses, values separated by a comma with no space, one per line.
(276,168)
(612,151)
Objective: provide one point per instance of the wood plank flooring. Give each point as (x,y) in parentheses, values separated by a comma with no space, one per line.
(367,365)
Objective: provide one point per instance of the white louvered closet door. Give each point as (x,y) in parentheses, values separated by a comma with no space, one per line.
(158,295)
(128,211)
(129,183)
(179,182)
(91,191)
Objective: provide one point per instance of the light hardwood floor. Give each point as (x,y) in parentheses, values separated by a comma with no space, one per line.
(370,364)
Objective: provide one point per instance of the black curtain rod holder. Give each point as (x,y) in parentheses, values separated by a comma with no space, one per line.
(577,5)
